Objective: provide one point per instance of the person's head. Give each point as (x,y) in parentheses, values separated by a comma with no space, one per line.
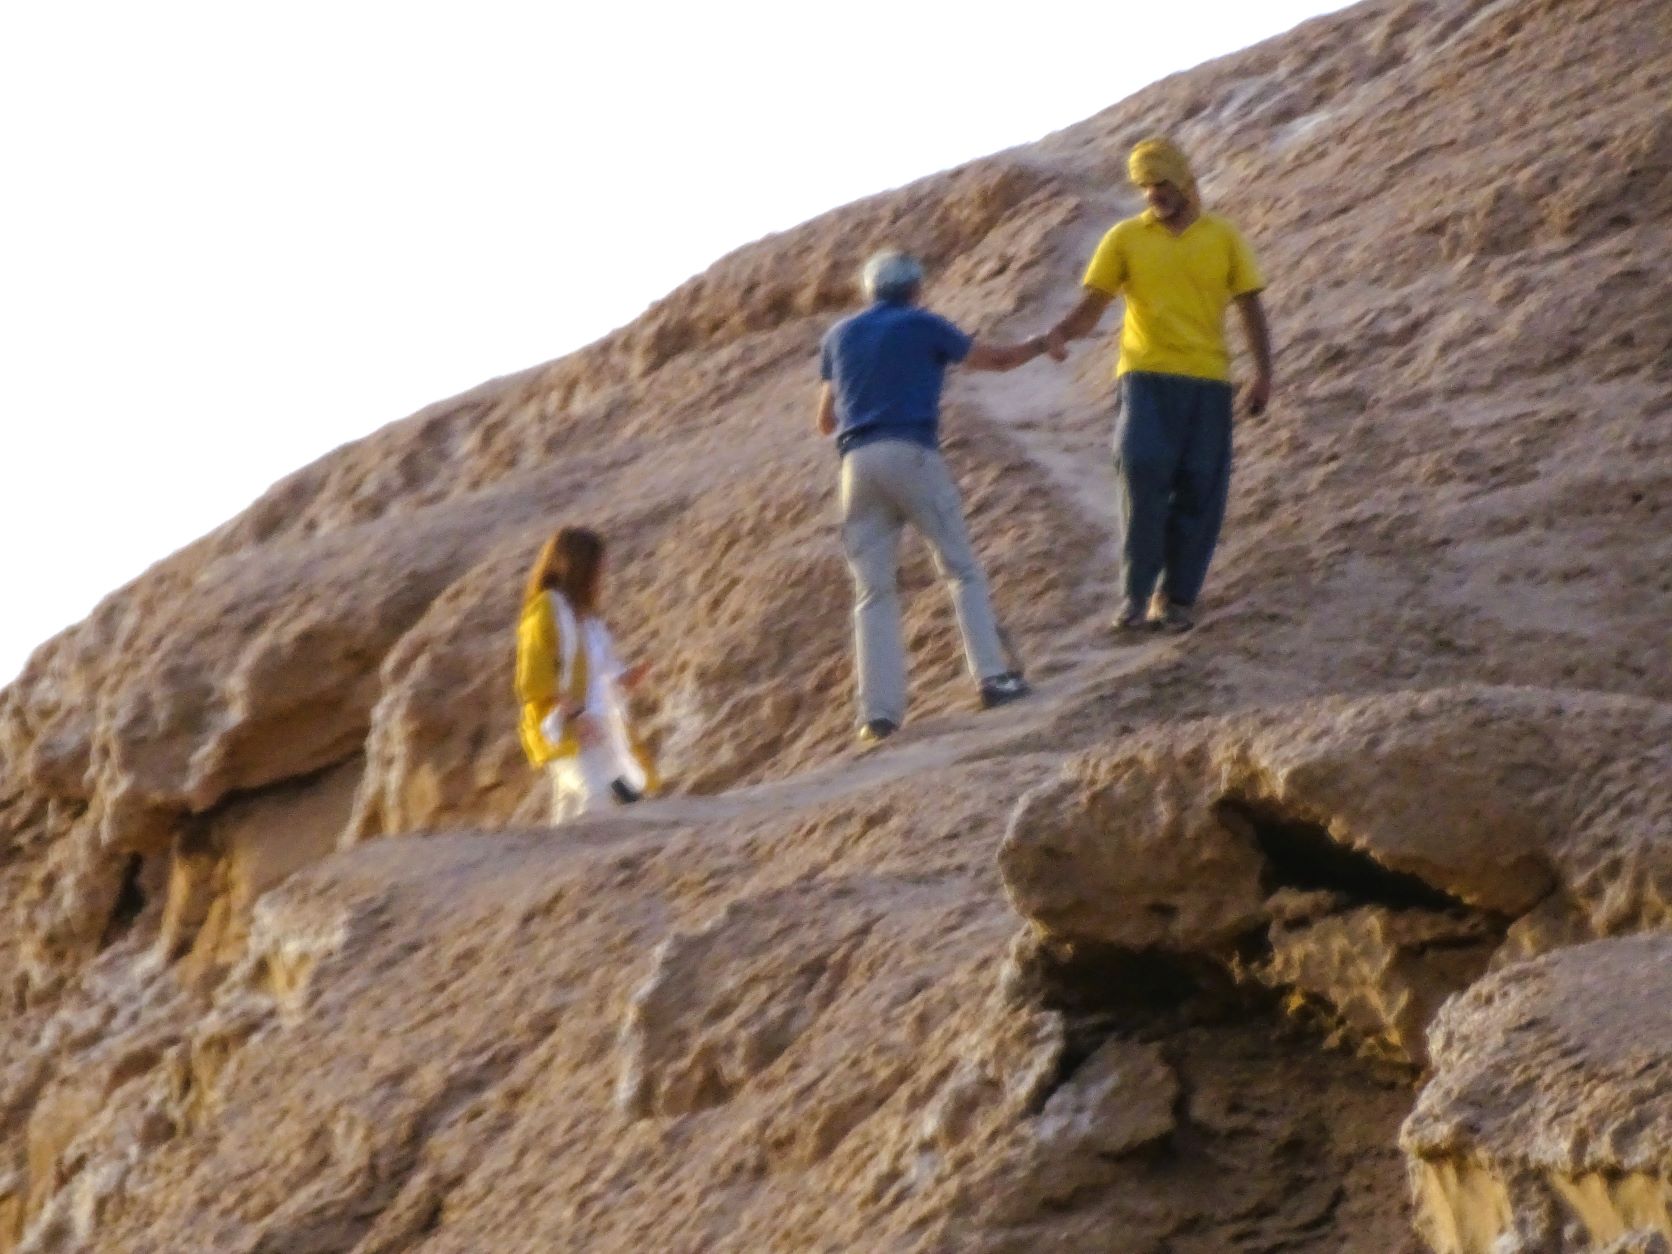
(1163,173)
(893,277)
(571,562)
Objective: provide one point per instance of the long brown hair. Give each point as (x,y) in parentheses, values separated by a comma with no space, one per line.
(570,563)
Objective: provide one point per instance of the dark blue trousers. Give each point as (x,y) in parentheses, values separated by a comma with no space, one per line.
(1172,476)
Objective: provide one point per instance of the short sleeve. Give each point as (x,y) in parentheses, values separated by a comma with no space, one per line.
(949,341)
(1245,273)
(1107,271)
(827,367)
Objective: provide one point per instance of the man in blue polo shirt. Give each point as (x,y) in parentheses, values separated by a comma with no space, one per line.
(882,370)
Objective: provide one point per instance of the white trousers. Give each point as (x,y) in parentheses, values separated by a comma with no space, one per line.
(581,784)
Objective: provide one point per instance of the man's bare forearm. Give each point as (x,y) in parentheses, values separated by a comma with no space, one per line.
(1079,321)
(1257,391)
(824,421)
(1257,331)
(986,356)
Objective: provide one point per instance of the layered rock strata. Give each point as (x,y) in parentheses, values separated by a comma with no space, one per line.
(1377,854)
(1548,1124)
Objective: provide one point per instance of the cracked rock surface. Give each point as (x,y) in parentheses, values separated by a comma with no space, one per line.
(1379,851)
(1549,1119)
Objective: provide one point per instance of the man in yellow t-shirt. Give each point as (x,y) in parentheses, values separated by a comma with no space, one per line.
(1178,268)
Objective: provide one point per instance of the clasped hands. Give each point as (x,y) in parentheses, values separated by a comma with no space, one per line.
(1052,344)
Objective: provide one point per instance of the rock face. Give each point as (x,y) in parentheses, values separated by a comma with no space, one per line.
(1380,851)
(288,966)
(1548,1123)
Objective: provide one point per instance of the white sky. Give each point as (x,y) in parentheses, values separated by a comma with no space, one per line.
(234,235)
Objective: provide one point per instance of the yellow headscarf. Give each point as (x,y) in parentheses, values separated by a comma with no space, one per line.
(1160,161)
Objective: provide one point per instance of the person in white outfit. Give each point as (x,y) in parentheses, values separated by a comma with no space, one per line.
(573,687)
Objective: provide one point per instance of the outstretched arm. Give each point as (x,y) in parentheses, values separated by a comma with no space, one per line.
(1258,390)
(1078,321)
(985,356)
(826,420)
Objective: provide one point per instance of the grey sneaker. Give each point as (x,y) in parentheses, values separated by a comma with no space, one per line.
(1173,617)
(1130,625)
(1003,689)
(876,731)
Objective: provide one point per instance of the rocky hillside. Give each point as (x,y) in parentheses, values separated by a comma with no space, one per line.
(1342,924)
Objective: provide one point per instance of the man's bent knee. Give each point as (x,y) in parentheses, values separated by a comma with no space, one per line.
(869,597)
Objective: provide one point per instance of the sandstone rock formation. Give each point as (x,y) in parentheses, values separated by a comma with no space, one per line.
(290,965)
(1379,852)
(1547,1123)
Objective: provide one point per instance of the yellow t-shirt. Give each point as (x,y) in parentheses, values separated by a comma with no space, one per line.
(1176,289)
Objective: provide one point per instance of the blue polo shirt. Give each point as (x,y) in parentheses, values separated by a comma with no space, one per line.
(887,365)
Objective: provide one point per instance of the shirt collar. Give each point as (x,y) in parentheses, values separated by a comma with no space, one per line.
(1148,218)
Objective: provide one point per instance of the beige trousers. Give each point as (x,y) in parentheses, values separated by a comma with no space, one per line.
(885,486)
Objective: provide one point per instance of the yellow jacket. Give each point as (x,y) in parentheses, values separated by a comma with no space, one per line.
(539,648)
(554,671)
